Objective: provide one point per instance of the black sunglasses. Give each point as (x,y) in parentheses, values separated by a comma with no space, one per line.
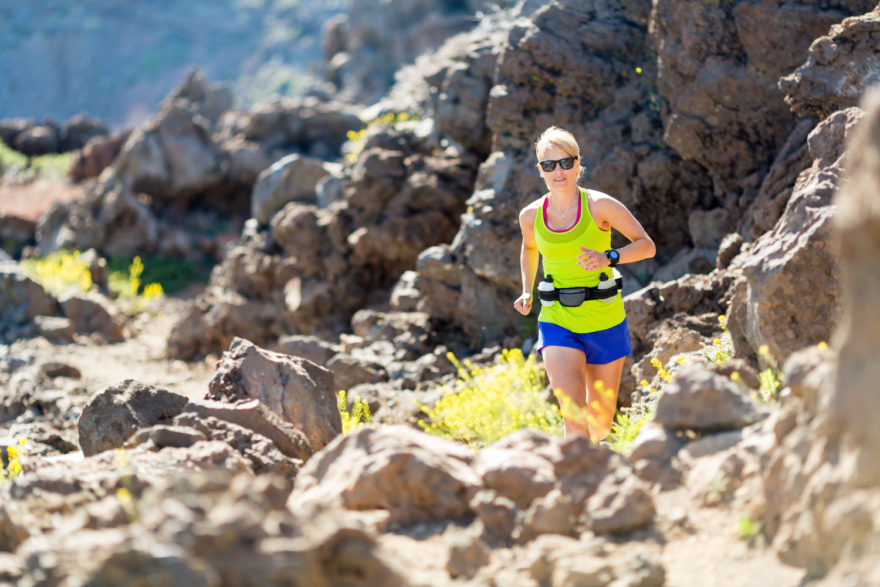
(550,164)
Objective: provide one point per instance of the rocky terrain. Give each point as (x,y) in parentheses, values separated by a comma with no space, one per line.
(199,442)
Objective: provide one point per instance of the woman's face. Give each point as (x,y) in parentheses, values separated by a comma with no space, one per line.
(558,178)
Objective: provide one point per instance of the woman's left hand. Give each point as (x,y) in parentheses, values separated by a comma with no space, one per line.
(591,260)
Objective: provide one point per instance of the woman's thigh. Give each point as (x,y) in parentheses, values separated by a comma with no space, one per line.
(603,381)
(567,370)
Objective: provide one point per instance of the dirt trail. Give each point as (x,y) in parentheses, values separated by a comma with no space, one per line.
(700,544)
(140,357)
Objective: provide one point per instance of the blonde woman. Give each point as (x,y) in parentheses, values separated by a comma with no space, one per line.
(582,332)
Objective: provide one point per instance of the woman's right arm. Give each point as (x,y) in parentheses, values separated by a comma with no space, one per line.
(528,259)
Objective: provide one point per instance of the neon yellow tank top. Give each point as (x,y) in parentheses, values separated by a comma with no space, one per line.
(559,252)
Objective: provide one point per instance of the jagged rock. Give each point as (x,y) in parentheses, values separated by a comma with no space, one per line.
(777,186)
(362,60)
(349,371)
(780,302)
(294,388)
(92,313)
(37,140)
(467,554)
(731,98)
(12,531)
(729,248)
(620,504)
(16,232)
(701,400)
(109,218)
(22,298)
(312,348)
(96,155)
(515,473)
(241,300)
(496,514)
(316,128)
(114,413)
(78,131)
(551,513)
(413,476)
(652,454)
(840,66)
(301,232)
(56,329)
(291,179)
(820,484)
(255,416)
(262,454)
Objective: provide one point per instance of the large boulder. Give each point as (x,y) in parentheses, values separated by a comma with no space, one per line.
(291,179)
(726,111)
(22,299)
(294,388)
(410,475)
(115,413)
(841,64)
(92,313)
(782,302)
(701,400)
(820,484)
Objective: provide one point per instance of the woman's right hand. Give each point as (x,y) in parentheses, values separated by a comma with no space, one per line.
(523,304)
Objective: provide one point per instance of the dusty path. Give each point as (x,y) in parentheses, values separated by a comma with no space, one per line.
(30,200)
(140,357)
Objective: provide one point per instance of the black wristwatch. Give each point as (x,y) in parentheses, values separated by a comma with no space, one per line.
(613,257)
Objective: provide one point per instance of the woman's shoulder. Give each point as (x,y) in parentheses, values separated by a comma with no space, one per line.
(599,197)
(602,203)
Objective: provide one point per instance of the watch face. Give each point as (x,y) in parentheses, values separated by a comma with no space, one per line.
(614,255)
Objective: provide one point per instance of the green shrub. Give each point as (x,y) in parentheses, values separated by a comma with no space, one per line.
(54,166)
(173,274)
(485,404)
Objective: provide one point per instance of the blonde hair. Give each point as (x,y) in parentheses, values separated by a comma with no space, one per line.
(558,137)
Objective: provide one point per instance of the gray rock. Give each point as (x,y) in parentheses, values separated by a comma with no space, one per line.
(655,442)
(92,313)
(115,413)
(621,504)
(255,416)
(22,298)
(294,388)
(552,513)
(291,179)
(770,307)
(55,329)
(841,64)
(701,400)
(415,477)
(515,473)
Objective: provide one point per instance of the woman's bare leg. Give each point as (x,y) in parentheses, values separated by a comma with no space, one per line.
(567,371)
(602,384)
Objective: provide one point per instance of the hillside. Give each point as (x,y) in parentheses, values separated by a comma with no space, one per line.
(363,236)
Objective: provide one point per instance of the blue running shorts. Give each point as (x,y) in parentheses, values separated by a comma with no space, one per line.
(599,347)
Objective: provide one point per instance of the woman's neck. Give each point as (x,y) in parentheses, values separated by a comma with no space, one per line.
(565,195)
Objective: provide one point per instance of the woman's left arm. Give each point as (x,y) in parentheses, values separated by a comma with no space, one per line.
(610,213)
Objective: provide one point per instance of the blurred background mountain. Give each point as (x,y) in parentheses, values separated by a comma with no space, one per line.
(117,60)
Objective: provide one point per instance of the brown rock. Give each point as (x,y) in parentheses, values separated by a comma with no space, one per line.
(412,475)
(117,412)
(294,388)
